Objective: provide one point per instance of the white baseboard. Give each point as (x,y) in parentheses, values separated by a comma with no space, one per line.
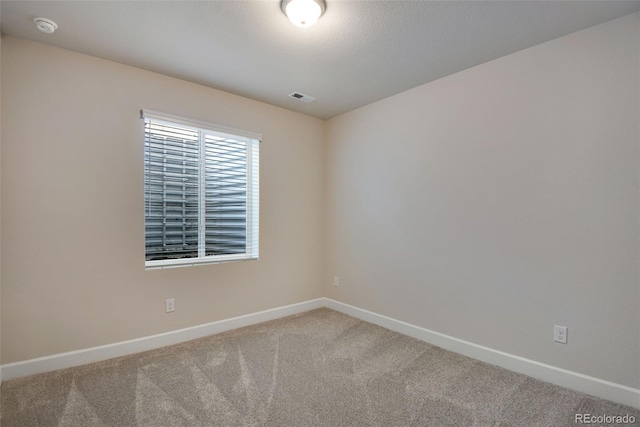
(562,377)
(572,380)
(109,351)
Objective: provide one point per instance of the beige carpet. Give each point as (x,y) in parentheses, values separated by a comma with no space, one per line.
(320,368)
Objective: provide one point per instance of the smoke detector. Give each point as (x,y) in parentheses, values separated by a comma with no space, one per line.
(45,25)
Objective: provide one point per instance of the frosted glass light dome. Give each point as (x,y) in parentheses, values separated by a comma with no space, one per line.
(303,13)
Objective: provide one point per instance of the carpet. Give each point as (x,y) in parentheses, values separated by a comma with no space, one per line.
(320,368)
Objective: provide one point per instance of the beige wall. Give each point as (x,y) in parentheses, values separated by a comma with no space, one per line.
(499,201)
(0,199)
(72,206)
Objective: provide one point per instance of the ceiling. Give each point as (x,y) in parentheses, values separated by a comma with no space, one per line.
(359,51)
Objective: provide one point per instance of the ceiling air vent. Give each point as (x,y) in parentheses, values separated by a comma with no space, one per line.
(301,97)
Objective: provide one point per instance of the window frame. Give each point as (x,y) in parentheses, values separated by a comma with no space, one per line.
(253,141)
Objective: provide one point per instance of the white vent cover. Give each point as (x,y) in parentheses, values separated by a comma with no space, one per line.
(301,97)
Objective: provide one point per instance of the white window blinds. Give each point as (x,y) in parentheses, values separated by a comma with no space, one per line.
(201,184)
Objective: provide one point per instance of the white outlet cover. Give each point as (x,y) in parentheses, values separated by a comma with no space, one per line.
(560,334)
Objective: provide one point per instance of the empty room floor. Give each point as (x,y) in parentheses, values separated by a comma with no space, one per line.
(320,368)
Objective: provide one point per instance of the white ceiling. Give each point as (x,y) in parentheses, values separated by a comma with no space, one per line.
(357,53)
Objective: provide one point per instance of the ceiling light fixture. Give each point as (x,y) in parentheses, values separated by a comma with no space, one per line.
(45,25)
(303,13)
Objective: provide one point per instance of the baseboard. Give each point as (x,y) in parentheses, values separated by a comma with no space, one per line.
(109,351)
(572,380)
(562,377)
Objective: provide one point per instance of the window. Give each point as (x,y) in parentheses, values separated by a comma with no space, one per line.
(200,192)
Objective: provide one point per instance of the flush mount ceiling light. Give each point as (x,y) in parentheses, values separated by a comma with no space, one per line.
(303,13)
(45,25)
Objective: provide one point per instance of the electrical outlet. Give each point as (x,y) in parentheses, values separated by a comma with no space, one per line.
(170,305)
(560,334)
(336,281)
